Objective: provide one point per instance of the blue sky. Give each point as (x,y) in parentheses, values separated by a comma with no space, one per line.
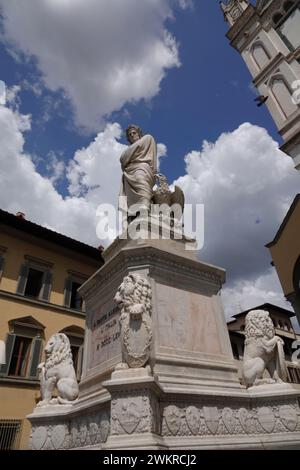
(79,71)
(209,94)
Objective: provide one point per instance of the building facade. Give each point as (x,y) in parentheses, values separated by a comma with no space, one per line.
(267,35)
(40,272)
(285,253)
(283,328)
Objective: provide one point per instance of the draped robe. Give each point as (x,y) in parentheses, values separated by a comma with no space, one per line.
(139,166)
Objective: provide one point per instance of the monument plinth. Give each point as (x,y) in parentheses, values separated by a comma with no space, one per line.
(188,347)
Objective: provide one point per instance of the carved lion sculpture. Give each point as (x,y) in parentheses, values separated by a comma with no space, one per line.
(58,372)
(134,296)
(263,350)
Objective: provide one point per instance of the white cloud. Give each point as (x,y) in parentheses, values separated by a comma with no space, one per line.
(161,153)
(2,93)
(95,171)
(103,54)
(247,185)
(245,294)
(94,176)
(23,189)
(184,4)
(55,166)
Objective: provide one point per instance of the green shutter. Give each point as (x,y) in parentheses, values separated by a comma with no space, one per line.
(68,292)
(35,357)
(22,279)
(47,284)
(9,346)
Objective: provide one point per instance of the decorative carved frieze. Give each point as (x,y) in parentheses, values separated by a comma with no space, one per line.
(213,420)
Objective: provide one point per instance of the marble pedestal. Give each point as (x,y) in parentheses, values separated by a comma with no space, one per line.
(188,396)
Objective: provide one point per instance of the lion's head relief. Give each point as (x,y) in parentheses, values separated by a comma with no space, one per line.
(134,290)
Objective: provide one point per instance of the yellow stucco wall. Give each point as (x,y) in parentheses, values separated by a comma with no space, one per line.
(14,258)
(18,400)
(286,251)
(16,403)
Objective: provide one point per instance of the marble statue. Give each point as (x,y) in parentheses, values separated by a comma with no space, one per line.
(134,296)
(58,372)
(263,350)
(139,166)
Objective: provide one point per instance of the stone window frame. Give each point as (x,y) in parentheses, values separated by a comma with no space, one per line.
(29,328)
(261,44)
(45,267)
(280,77)
(79,278)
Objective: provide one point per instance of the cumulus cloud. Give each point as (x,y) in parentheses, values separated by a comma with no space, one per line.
(55,167)
(246,185)
(97,167)
(103,54)
(93,174)
(22,188)
(244,294)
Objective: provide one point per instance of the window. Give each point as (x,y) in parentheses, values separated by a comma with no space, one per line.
(34,283)
(10,431)
(72,298)
(287,25)
(20,356)
(294,375)
(76,299)
(35,279)
(23,349)
(235,350)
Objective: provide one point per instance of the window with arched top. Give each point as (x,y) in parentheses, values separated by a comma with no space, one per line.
(282,95)
(260,54)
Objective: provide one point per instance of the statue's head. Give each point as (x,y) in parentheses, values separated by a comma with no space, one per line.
(133,133)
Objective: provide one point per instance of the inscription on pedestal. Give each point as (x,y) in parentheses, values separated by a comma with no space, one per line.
(105,342)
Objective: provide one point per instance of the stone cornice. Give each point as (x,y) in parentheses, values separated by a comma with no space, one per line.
(22,381)
(39,303)
(275,62)
(149,256)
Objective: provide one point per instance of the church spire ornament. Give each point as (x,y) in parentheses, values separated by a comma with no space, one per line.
(233,9)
